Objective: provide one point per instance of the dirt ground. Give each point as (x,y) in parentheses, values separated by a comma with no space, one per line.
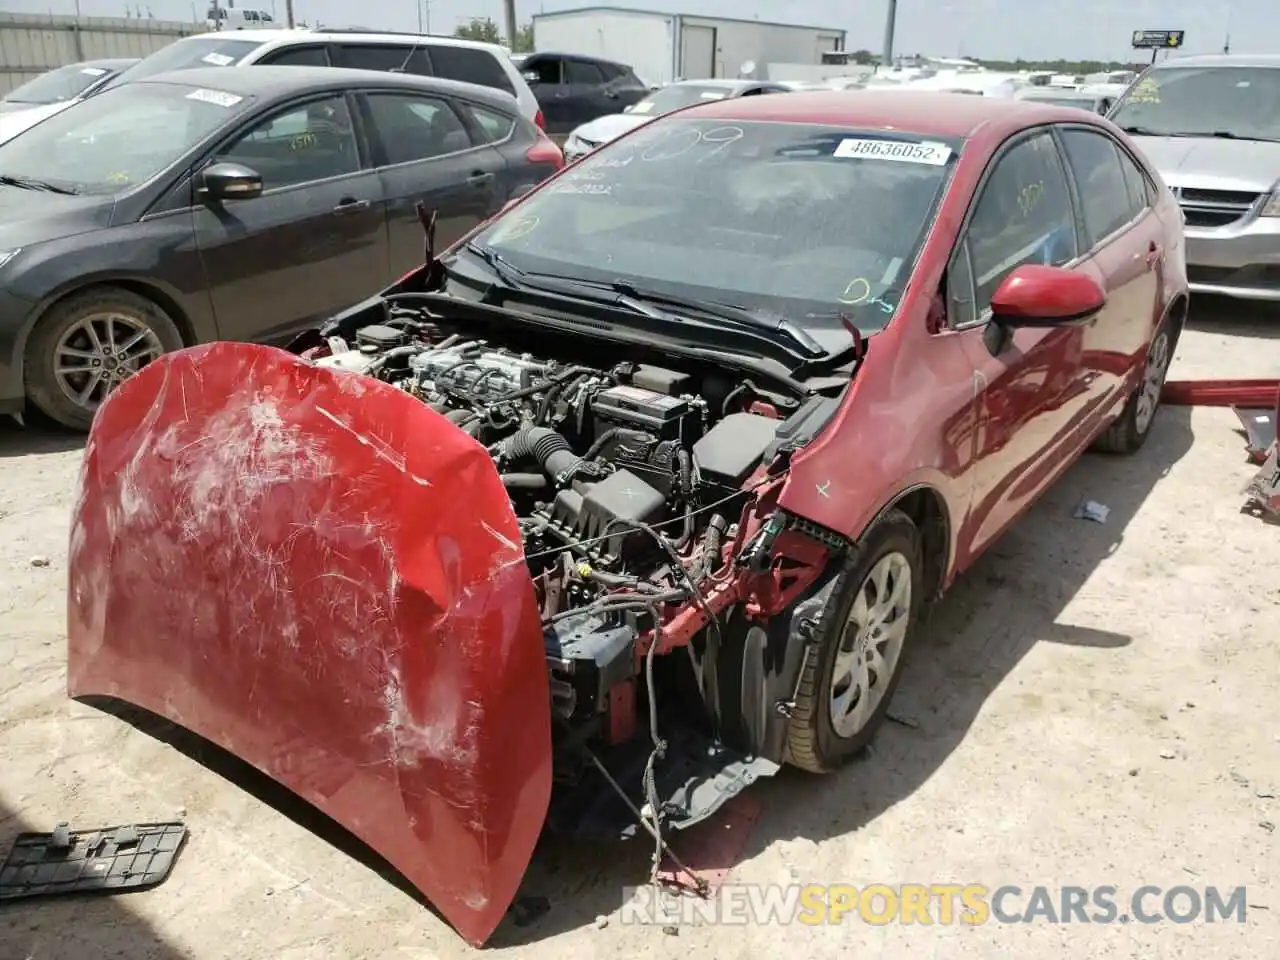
(1095,704)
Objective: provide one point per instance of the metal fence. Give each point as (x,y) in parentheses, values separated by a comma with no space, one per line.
(30,44)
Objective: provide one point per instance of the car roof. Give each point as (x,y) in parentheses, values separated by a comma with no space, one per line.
(925,112)
(715,83)
(1053,93)
(108,63)
(584,57)
(275,81)
(1222,60)
(337,35)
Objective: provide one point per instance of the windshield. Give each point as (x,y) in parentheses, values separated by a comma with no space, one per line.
(1233,101)
(679,95)
(803,222)
(187,55)
(118,139)
(56,86)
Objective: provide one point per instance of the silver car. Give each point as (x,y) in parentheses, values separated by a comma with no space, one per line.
(1211,127)
(681,93)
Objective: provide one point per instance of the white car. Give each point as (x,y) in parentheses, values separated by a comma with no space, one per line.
(470,61)
(54,91)
(673,96)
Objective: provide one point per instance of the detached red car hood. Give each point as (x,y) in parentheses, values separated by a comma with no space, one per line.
(320,574)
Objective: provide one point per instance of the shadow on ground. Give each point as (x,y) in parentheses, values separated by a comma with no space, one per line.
(1235,318)
(17,440)
(1011,600)
(74,927)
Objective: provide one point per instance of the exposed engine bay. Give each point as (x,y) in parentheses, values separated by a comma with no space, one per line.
(630,482)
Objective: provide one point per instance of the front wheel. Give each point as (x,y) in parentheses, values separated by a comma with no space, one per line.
(865,630)
(88,344)
(1130,430)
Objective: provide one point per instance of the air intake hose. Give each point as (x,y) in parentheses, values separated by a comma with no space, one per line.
(550,449)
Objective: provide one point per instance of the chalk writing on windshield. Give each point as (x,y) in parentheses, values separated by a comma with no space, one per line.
(706,143)
(858,291)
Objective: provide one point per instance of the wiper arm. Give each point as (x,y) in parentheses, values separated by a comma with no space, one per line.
(30,183)
(517,279)
(726,311)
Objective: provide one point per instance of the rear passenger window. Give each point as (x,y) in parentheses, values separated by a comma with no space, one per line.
(496,126)
(388,58)
(298,57)
(1023,215)
(470,66)
(412,127)
(586,73)
(1104,192)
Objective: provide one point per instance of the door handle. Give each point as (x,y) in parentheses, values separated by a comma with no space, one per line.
(479,178)
(350,205)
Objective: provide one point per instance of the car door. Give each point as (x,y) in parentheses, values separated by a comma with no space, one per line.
(622,87)
(545,74)
(426,151)
(1125,243)
(313,242)
(586,93)
(1029,383)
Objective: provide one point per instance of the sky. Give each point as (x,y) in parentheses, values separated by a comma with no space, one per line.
(996,29)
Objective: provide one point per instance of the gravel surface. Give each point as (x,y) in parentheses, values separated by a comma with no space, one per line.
(1093,704)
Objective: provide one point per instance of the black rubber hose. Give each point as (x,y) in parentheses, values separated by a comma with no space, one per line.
(524,481)
(609,435)
(548,448)
(712,541)
(686,491)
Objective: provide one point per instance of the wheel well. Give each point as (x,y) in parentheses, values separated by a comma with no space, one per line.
(1179,309)
(141,289)
(929,513)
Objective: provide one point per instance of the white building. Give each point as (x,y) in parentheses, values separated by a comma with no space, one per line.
(662,47)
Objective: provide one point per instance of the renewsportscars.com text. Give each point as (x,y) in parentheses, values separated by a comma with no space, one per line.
(936,903)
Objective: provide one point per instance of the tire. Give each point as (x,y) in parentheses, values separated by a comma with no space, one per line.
(817,738)
(67,325)
(1130,430)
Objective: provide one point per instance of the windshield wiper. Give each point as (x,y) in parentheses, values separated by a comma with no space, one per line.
(622,293)
(30,183)
(741,316)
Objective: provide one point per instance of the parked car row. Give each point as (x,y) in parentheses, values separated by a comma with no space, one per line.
(211,204)
(54,91)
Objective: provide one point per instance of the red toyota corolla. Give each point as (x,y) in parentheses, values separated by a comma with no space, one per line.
(640,491)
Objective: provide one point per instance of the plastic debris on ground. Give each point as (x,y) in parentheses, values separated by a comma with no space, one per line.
(1092,510)
(103,860)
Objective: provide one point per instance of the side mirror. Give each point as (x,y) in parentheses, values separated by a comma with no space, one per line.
(1039,296)
(228,181)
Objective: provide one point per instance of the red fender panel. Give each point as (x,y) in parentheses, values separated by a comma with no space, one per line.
(320,574)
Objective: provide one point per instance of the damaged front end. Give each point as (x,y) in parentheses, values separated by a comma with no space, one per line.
(451,578)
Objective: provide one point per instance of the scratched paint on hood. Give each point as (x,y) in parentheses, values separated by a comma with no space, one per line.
(320,574)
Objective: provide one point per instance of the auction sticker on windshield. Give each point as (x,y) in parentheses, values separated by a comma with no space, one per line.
(218,59)
(216,97)
(929,152)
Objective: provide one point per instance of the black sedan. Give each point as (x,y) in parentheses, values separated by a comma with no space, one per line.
(231,205)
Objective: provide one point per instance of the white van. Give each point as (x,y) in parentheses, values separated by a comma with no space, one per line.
(220,18)
(469,61)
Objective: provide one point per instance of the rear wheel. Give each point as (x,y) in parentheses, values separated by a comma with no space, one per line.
(1131,429)
(866,628)
(88,344)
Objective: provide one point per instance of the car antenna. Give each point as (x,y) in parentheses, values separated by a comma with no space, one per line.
(434,273)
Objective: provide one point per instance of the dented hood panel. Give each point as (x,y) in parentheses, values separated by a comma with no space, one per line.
(320,574)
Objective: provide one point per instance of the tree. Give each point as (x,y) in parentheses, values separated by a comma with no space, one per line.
(482,29)
(864,57)
(485,30)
